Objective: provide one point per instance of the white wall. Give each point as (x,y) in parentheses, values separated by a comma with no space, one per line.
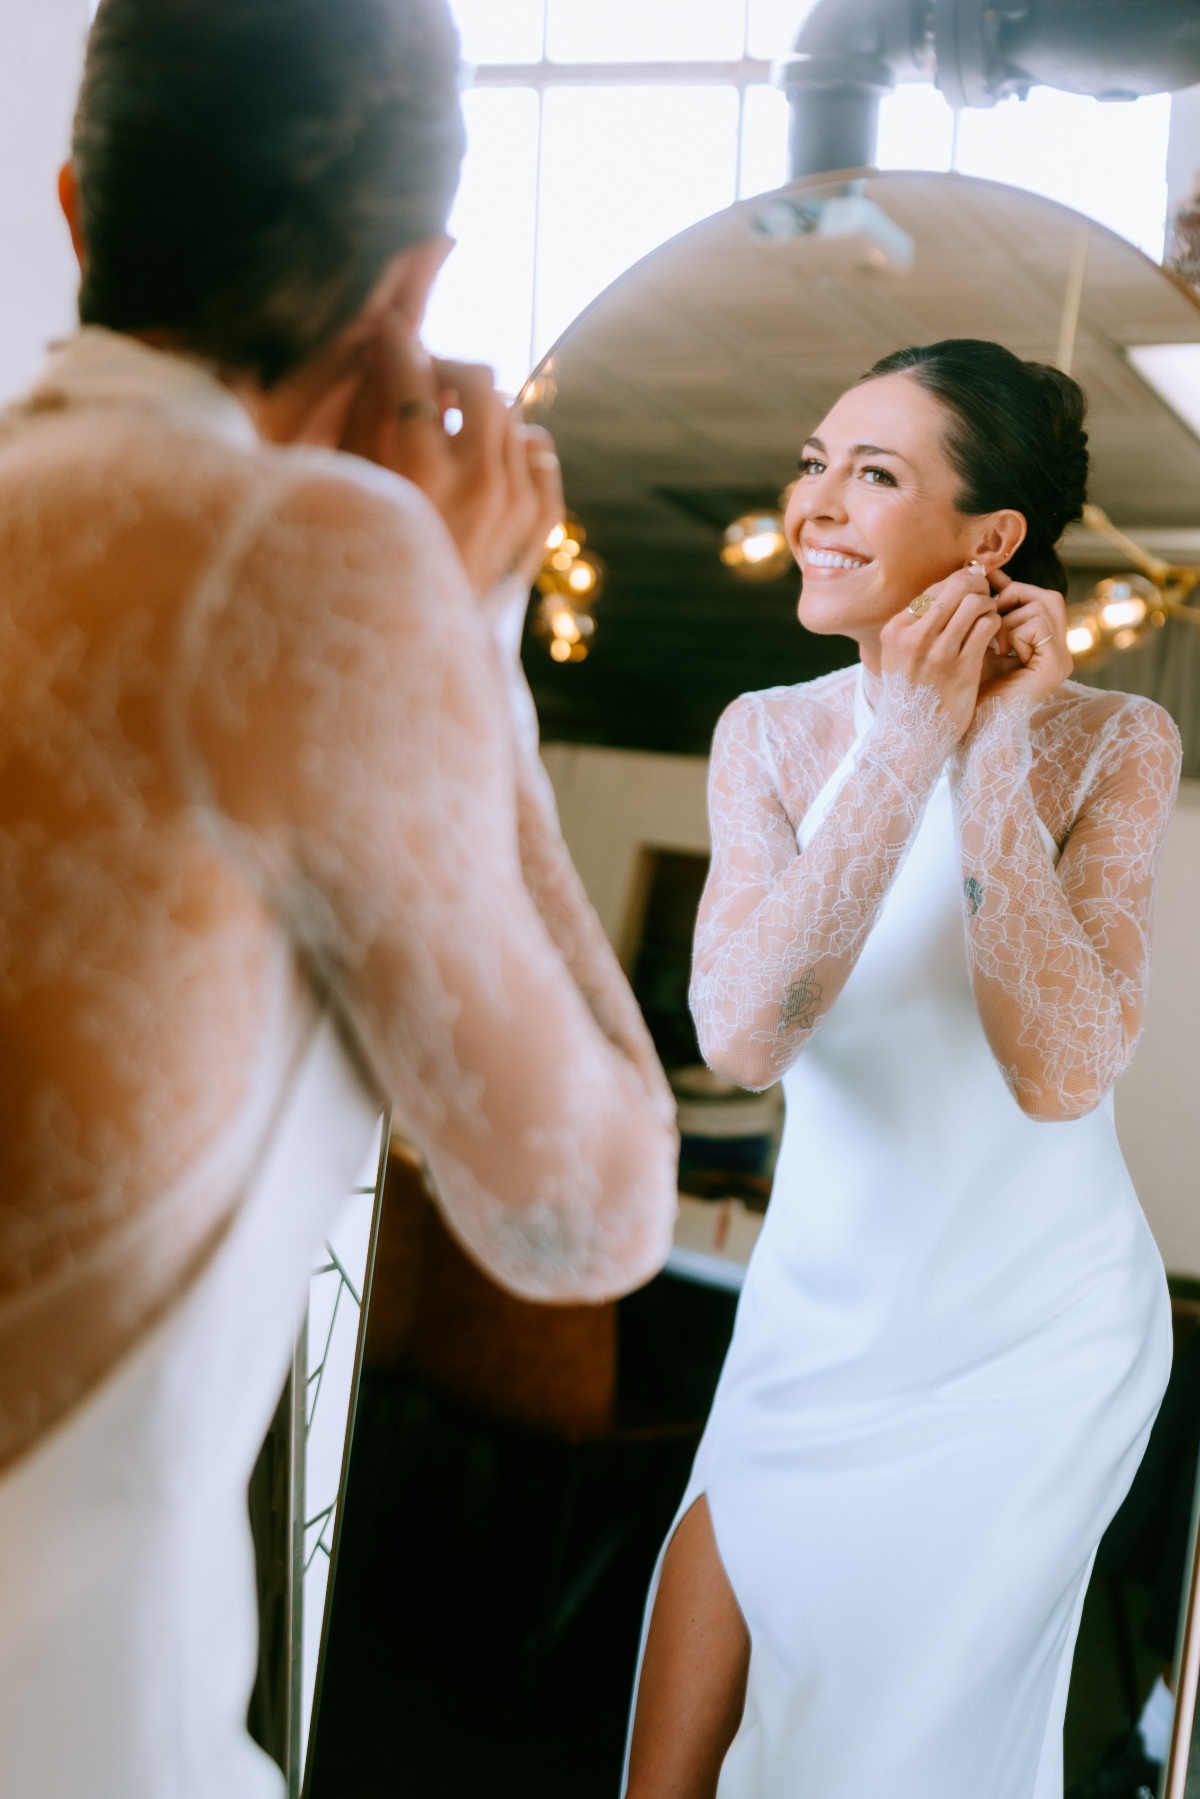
(1158,1101)
(1183,145)
(41,56)
(615,803)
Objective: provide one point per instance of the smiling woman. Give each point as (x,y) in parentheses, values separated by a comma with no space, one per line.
(928,912)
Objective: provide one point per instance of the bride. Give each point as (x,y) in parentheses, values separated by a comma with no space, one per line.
(928,912)
(275,846)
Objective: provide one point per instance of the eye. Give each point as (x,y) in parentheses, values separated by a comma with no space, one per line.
(879,477)
(811,465)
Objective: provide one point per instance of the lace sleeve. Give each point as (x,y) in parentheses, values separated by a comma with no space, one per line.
(1060,957)
(551,876)
(780,929)
(348,733)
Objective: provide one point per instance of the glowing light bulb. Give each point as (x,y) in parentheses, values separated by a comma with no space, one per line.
(556,537)
(582,578)
(755,548)
(563,625)
(1120,615)
(1083,634)
(560,649)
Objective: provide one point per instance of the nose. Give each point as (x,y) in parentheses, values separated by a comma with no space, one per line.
(816,497)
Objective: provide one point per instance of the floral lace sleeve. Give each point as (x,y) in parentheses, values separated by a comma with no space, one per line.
(780,929)
(349,738)
(1060,957)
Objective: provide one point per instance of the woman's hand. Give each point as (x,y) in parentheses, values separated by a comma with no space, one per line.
(945,648)
(1031,657)
(496,481)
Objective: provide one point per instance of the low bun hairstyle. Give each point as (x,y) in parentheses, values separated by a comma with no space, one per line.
(1015,437)
(247,168)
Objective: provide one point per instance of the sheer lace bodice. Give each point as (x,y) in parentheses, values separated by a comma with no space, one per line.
(1058,944)
(255,750)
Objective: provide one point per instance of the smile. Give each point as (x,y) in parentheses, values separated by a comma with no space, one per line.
(832,559)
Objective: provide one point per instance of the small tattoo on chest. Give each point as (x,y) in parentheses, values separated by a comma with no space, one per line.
(799,1004)
(973,890)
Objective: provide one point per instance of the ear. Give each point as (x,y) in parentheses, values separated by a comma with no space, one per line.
(405,284)
(998,536)
(68,199)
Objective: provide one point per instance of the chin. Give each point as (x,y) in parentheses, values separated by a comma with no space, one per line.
(827,615)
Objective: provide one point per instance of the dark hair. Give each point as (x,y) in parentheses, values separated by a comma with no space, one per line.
(247,168)
(1015,436)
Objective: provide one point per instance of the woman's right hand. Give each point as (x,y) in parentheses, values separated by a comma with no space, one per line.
(944,649)
(496,481)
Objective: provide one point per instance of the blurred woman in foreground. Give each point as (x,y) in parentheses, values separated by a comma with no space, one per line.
(274,845)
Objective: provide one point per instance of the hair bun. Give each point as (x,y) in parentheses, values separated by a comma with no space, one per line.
(1067,474)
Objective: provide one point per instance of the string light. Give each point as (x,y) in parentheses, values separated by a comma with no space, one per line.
(570,581)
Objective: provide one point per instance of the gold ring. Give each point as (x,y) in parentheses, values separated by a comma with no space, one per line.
(1040,642)
(411,410)
(920,606)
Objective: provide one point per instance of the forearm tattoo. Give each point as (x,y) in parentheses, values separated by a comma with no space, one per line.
(800,1002)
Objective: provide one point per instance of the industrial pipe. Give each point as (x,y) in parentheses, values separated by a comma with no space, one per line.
(849,53)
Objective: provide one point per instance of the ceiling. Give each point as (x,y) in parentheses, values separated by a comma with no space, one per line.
(682,396)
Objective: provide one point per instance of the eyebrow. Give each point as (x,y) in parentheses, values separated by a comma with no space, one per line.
(858,450)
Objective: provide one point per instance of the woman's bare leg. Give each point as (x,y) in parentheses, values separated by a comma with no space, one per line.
(693,1684)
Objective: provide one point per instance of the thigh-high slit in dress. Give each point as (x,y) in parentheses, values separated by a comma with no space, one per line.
(954,1330)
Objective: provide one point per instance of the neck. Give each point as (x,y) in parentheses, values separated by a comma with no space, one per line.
(870,651)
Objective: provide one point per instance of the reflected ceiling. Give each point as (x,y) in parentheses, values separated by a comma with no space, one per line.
(682,396)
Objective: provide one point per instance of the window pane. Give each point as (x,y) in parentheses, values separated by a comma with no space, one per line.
(500,30)
(772,25)
(482,303)
(644,30)
(1106,158)
(764,140)
(916,129)
(623,169)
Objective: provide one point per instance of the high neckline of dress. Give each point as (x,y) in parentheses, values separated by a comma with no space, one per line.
(867,689)
(98,366)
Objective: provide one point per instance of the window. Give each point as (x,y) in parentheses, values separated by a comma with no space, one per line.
(582,155)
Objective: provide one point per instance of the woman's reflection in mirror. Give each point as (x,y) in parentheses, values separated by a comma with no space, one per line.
(928,912)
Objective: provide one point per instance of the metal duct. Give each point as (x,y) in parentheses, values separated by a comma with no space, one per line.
(849,53)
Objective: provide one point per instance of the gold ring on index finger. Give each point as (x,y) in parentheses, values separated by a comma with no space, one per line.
(920,606)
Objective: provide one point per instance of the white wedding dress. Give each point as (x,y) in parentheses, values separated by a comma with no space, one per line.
(954,1331)
(272,846)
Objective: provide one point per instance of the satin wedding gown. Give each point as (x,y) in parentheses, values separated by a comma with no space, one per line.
(273,842)
(954,1331)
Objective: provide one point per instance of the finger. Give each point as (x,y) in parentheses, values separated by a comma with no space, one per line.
(977,643)
(972,610)
(545,472)
(484,414)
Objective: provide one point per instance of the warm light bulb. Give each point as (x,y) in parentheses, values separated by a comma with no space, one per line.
(582,578)
(755,548)
(1119,615)
(1082,636)
(1124,605)
(560,649)
(563,625)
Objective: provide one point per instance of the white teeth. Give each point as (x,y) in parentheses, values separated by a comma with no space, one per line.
(832,559)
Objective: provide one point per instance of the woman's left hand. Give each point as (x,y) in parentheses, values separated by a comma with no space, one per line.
(1031,658)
